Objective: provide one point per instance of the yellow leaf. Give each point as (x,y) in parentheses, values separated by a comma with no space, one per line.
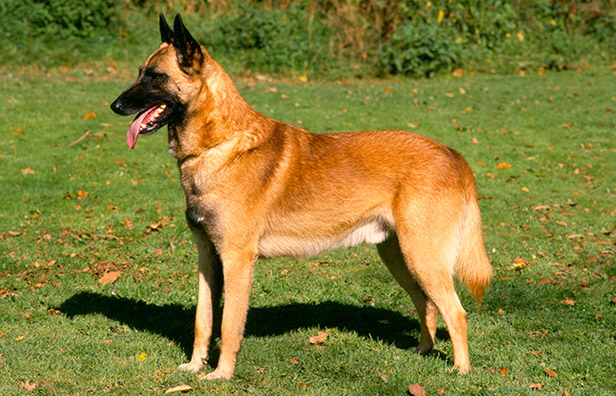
(303,78)
(179,388)
(524,189)
(109,277)
(141,357)
(319,338)
(441,15)
(520,36)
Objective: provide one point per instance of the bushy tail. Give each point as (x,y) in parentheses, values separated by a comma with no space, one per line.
(473,266)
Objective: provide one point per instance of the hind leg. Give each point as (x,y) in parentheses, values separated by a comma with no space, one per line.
(431,260)
(390,253)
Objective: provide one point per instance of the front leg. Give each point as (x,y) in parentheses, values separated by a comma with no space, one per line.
(238,270)
(208,301)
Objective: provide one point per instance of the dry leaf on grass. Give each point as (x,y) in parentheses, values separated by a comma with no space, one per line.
(179,388)
(109,277)
(551,373)
(27,386)
(417,390)
(319,338)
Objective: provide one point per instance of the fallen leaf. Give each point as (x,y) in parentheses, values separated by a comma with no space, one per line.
(474,141)
(503,165)
(518,264)
(417,390)
(551,373)
(294,361)
(384,377)
(503,371)
(14,233)
(27,171)
(319,338)
(109,277)
(179,388)
(141,357)
(27,386)
(536,386)
(462,91)
(568,301)
(89,116)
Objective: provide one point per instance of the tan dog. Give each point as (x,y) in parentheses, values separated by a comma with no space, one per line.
(259,187)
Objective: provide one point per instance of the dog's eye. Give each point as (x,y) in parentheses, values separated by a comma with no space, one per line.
(156,78)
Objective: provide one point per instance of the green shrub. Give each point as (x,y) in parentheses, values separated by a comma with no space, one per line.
(419,49)
(335,38)
(28,19)
(272,40)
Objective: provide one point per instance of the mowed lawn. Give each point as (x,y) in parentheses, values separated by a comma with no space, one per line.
(98,275)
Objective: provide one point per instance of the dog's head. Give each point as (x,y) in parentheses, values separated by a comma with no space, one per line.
(167,82)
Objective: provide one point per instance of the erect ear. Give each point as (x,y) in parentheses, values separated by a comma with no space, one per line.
(190,57)
(166,34)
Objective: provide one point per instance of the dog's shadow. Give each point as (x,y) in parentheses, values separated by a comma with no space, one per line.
(175,322)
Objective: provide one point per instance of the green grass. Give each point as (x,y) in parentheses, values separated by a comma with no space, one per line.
(69,213)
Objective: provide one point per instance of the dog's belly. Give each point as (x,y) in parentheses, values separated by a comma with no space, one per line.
(304,246)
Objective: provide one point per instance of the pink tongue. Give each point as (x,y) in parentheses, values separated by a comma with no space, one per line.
(135,127)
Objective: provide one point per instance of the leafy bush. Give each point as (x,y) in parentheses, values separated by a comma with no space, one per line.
(419,49)
(27,19)
(335,38)
(272,40)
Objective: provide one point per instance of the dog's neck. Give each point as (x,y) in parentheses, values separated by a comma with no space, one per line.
(219,116)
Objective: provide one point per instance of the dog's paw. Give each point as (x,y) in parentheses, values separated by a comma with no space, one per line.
(192,366)
(215,375)
(464,368)
(424,349)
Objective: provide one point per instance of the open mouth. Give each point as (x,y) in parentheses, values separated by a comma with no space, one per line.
(147,122)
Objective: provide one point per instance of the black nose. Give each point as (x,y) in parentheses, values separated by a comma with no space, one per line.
(116,107)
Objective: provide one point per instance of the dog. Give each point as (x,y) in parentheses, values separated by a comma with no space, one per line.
(256,187)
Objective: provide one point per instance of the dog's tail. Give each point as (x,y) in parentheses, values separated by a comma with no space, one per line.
(473,266)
